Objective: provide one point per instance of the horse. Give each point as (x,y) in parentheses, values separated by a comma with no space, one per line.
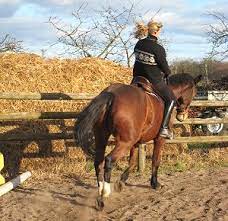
(132,116)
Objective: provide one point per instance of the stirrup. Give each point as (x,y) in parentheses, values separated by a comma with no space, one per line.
(166,133)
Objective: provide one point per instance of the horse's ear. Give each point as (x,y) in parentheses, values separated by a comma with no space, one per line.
(198,78)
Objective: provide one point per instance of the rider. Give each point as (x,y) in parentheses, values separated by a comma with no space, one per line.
(150,62)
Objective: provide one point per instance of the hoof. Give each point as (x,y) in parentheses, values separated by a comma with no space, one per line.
(119,185)
(99,204)
(156,185)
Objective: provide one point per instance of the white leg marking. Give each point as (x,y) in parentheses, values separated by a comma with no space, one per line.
(100,188)
(106,189)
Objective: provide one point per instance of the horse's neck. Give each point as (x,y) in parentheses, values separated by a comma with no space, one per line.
(177,90)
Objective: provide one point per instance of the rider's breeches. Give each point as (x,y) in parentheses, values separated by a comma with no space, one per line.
(163,90)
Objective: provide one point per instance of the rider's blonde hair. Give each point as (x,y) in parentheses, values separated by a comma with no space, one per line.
(142,30)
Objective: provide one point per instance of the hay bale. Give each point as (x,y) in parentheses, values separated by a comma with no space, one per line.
(32,73)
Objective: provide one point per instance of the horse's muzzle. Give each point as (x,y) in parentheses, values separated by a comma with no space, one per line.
(182,116)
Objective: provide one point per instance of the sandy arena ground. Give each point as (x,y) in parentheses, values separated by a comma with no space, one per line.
(201,195)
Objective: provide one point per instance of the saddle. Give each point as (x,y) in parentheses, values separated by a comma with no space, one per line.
(144,83)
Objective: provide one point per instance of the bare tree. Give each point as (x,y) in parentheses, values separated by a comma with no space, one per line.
(218,35)
(8,43)
(118,40)
(107,35)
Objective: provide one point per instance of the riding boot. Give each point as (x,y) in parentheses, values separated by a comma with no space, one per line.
(165,131)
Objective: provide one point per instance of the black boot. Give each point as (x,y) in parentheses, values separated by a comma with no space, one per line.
(165,131)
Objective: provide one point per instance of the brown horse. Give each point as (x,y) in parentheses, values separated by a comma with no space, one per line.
(132,117)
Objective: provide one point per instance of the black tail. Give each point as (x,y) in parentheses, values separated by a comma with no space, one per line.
(86,120)
(198,78)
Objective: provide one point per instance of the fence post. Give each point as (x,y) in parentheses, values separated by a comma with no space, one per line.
(2,179)
(141,158)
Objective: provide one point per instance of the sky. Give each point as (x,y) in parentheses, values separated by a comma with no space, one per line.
(185,22)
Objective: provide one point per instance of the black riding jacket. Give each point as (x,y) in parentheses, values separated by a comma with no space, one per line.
(150,60)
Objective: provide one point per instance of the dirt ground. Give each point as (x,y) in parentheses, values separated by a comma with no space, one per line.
(201,195)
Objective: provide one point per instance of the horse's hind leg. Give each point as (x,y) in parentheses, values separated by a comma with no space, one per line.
(101,140)
(132,163)
(156,158)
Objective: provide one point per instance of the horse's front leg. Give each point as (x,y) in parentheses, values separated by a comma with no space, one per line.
(132,163)
(156,158)
(119,184)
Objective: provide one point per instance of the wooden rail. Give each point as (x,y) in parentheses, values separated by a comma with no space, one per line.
(38,115)
(45,96)
(209,103)
(69,136)
(74,115)
(85,96)
(35,137)
(203,121)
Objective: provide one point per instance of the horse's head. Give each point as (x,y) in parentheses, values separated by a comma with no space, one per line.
(184,88)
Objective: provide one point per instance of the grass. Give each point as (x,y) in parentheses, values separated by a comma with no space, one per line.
(89,167)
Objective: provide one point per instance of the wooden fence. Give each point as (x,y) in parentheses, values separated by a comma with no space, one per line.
(73,115)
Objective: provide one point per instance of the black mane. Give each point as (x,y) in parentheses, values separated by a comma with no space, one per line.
(179,79)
